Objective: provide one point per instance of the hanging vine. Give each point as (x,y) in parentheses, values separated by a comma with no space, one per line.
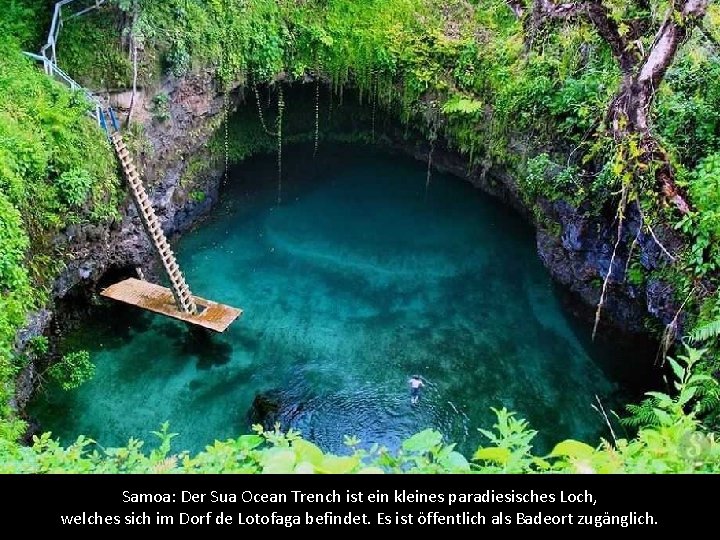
(622,206)
(373,97)
(317,113)
(433,136)
(281,107)
(433,123)
(226,135)
(260,112)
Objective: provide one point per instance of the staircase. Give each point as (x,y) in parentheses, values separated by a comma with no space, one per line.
(181,292)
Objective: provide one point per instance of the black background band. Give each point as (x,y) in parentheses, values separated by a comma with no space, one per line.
(579,503)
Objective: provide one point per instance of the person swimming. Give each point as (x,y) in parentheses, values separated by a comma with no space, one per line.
(415,385)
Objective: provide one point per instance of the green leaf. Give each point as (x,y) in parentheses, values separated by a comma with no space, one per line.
(572,449)
(307,451)
(662,399)
(707,331)
(423,442)
(462,105)
(677,369)
(338,464)
(248,442)
(304,468)
(663,416)
(456,462)
(278,461)
(493,453)
(700,377)
(686,395)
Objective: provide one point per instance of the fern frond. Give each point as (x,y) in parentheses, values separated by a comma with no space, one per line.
(707,331)
(641,415)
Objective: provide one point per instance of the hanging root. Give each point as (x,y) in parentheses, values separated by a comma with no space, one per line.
(429,164)
(606,282)
(652,233)
(670,333)
(433,137)
(260,112)
(281,107)
(226,137)
(630,251)
(317,113)
(601,410)
(373,97)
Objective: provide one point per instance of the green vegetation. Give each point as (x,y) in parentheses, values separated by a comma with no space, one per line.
(530,99)
(89,48)
(673,444)
(56,170)
(72,370)
(161,107)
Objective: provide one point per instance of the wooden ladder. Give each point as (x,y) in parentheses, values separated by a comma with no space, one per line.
(181,292)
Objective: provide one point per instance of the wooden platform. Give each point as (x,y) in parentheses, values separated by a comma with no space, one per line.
(146,295)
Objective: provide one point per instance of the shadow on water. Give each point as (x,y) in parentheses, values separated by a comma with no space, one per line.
(350,286)
(200,343)
(115,325)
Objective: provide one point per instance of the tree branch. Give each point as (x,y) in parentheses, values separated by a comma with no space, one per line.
(598,15)
(517,7)
(609,31)
(678,24)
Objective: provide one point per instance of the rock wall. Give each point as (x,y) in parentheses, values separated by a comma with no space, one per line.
(577,257)
(577,251)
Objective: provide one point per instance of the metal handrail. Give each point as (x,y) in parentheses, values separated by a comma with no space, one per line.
(57,23)
(50,62)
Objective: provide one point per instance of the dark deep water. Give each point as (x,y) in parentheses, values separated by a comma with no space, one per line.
(354,283)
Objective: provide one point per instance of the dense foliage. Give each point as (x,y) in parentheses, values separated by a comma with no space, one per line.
(55,170)
(462,71)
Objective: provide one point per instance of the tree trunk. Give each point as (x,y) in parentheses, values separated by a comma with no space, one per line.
(628,112)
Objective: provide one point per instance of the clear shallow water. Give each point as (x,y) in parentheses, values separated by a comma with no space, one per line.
(355,282)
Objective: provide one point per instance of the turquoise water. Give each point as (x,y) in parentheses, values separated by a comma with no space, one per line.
(357,281)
